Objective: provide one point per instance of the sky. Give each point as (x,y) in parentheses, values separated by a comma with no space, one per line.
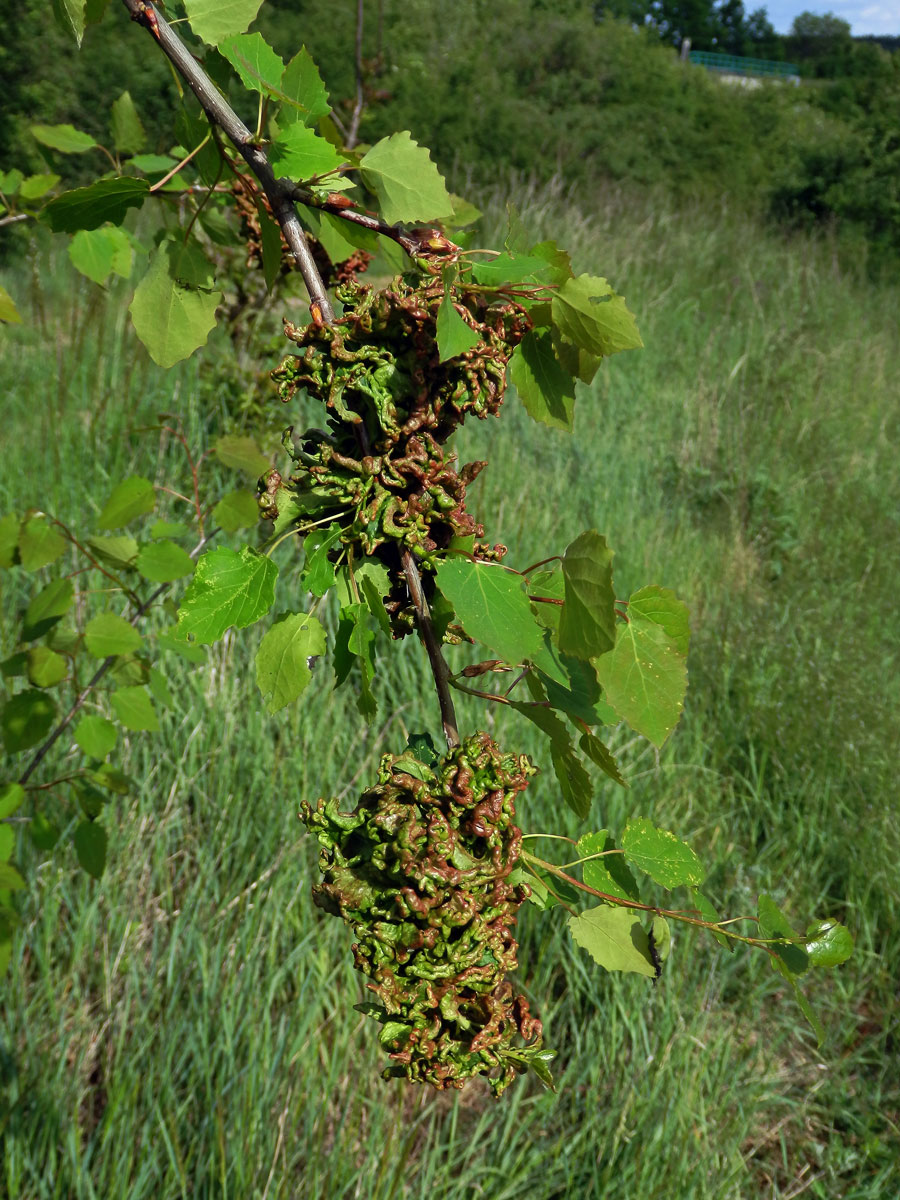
(865,16)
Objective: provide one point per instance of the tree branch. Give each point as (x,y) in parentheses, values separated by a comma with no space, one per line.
(439,668)
(221,114)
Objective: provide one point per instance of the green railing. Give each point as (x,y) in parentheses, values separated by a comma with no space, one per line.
(732,64)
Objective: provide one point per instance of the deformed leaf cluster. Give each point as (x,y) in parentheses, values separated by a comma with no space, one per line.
(420,871)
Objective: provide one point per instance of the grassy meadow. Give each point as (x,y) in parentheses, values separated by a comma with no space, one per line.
(186,1026)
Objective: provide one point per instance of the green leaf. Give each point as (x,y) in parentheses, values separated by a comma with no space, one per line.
(557,261)
(125,126)
(708,913)
(95,736)
(64,138)
(8,311)
(120,550)
(302,86)
(174,306)
(806,1009)
(90,846)
(282,666)
(574,781)
(510,268)
(43,832)
(51,603)
(189,651)
(162,562)
(10,181)
(228,589)
(11,796)
(134,708)
(374,598)
(159,687)
(299,153)
(454,336)
(69,16)
(545,389)
(599,754)
(167,529)
(492,607)
(10,879)
(36,186)
(405,180)
(644,679)
(237,510)
(659,941)
(46,667)
(241,453)
(662,607)
(588,618)
(129,499)
(97,253)
(7,842)
(92,206)
(14,666)
(26,719)
(609,874)
(354,645)
(793,959)
(614,938)
(108,634)
(39,544)
(258,66)
(574,360)
(110,777)
(661,855)
(215,20)
(588,312)
(828,944)
(318,570)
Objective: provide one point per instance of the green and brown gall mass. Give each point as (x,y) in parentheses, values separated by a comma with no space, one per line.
(420,871)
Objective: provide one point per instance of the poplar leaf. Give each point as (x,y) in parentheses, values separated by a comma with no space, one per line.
(574,781)
(614,938)
(282,661)
(163,562)
(26,719)
(228,588)
(108,634)
(545,389)
(609,874)
(36,186)
(119,550)
(69,16)
(774,924)
(51,603)
(492,607)
(90,846)
(11,796)
(588,312)
(661,855)
(662,606)
(129,499)
(46,667)
(644,679)
(64,138)
(97,253)
(408,185)
(92,206)
(259,67)
(829,944)
(39,544)
(454,336)
(588,618)
(134,708)
(215,20)
(303,89)
(241,453)
(174,305)
(8,311)
(125,126)
(237,510)
(299,153)
(96,736)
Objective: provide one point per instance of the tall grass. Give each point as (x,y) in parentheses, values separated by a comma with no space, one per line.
(186,1026)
